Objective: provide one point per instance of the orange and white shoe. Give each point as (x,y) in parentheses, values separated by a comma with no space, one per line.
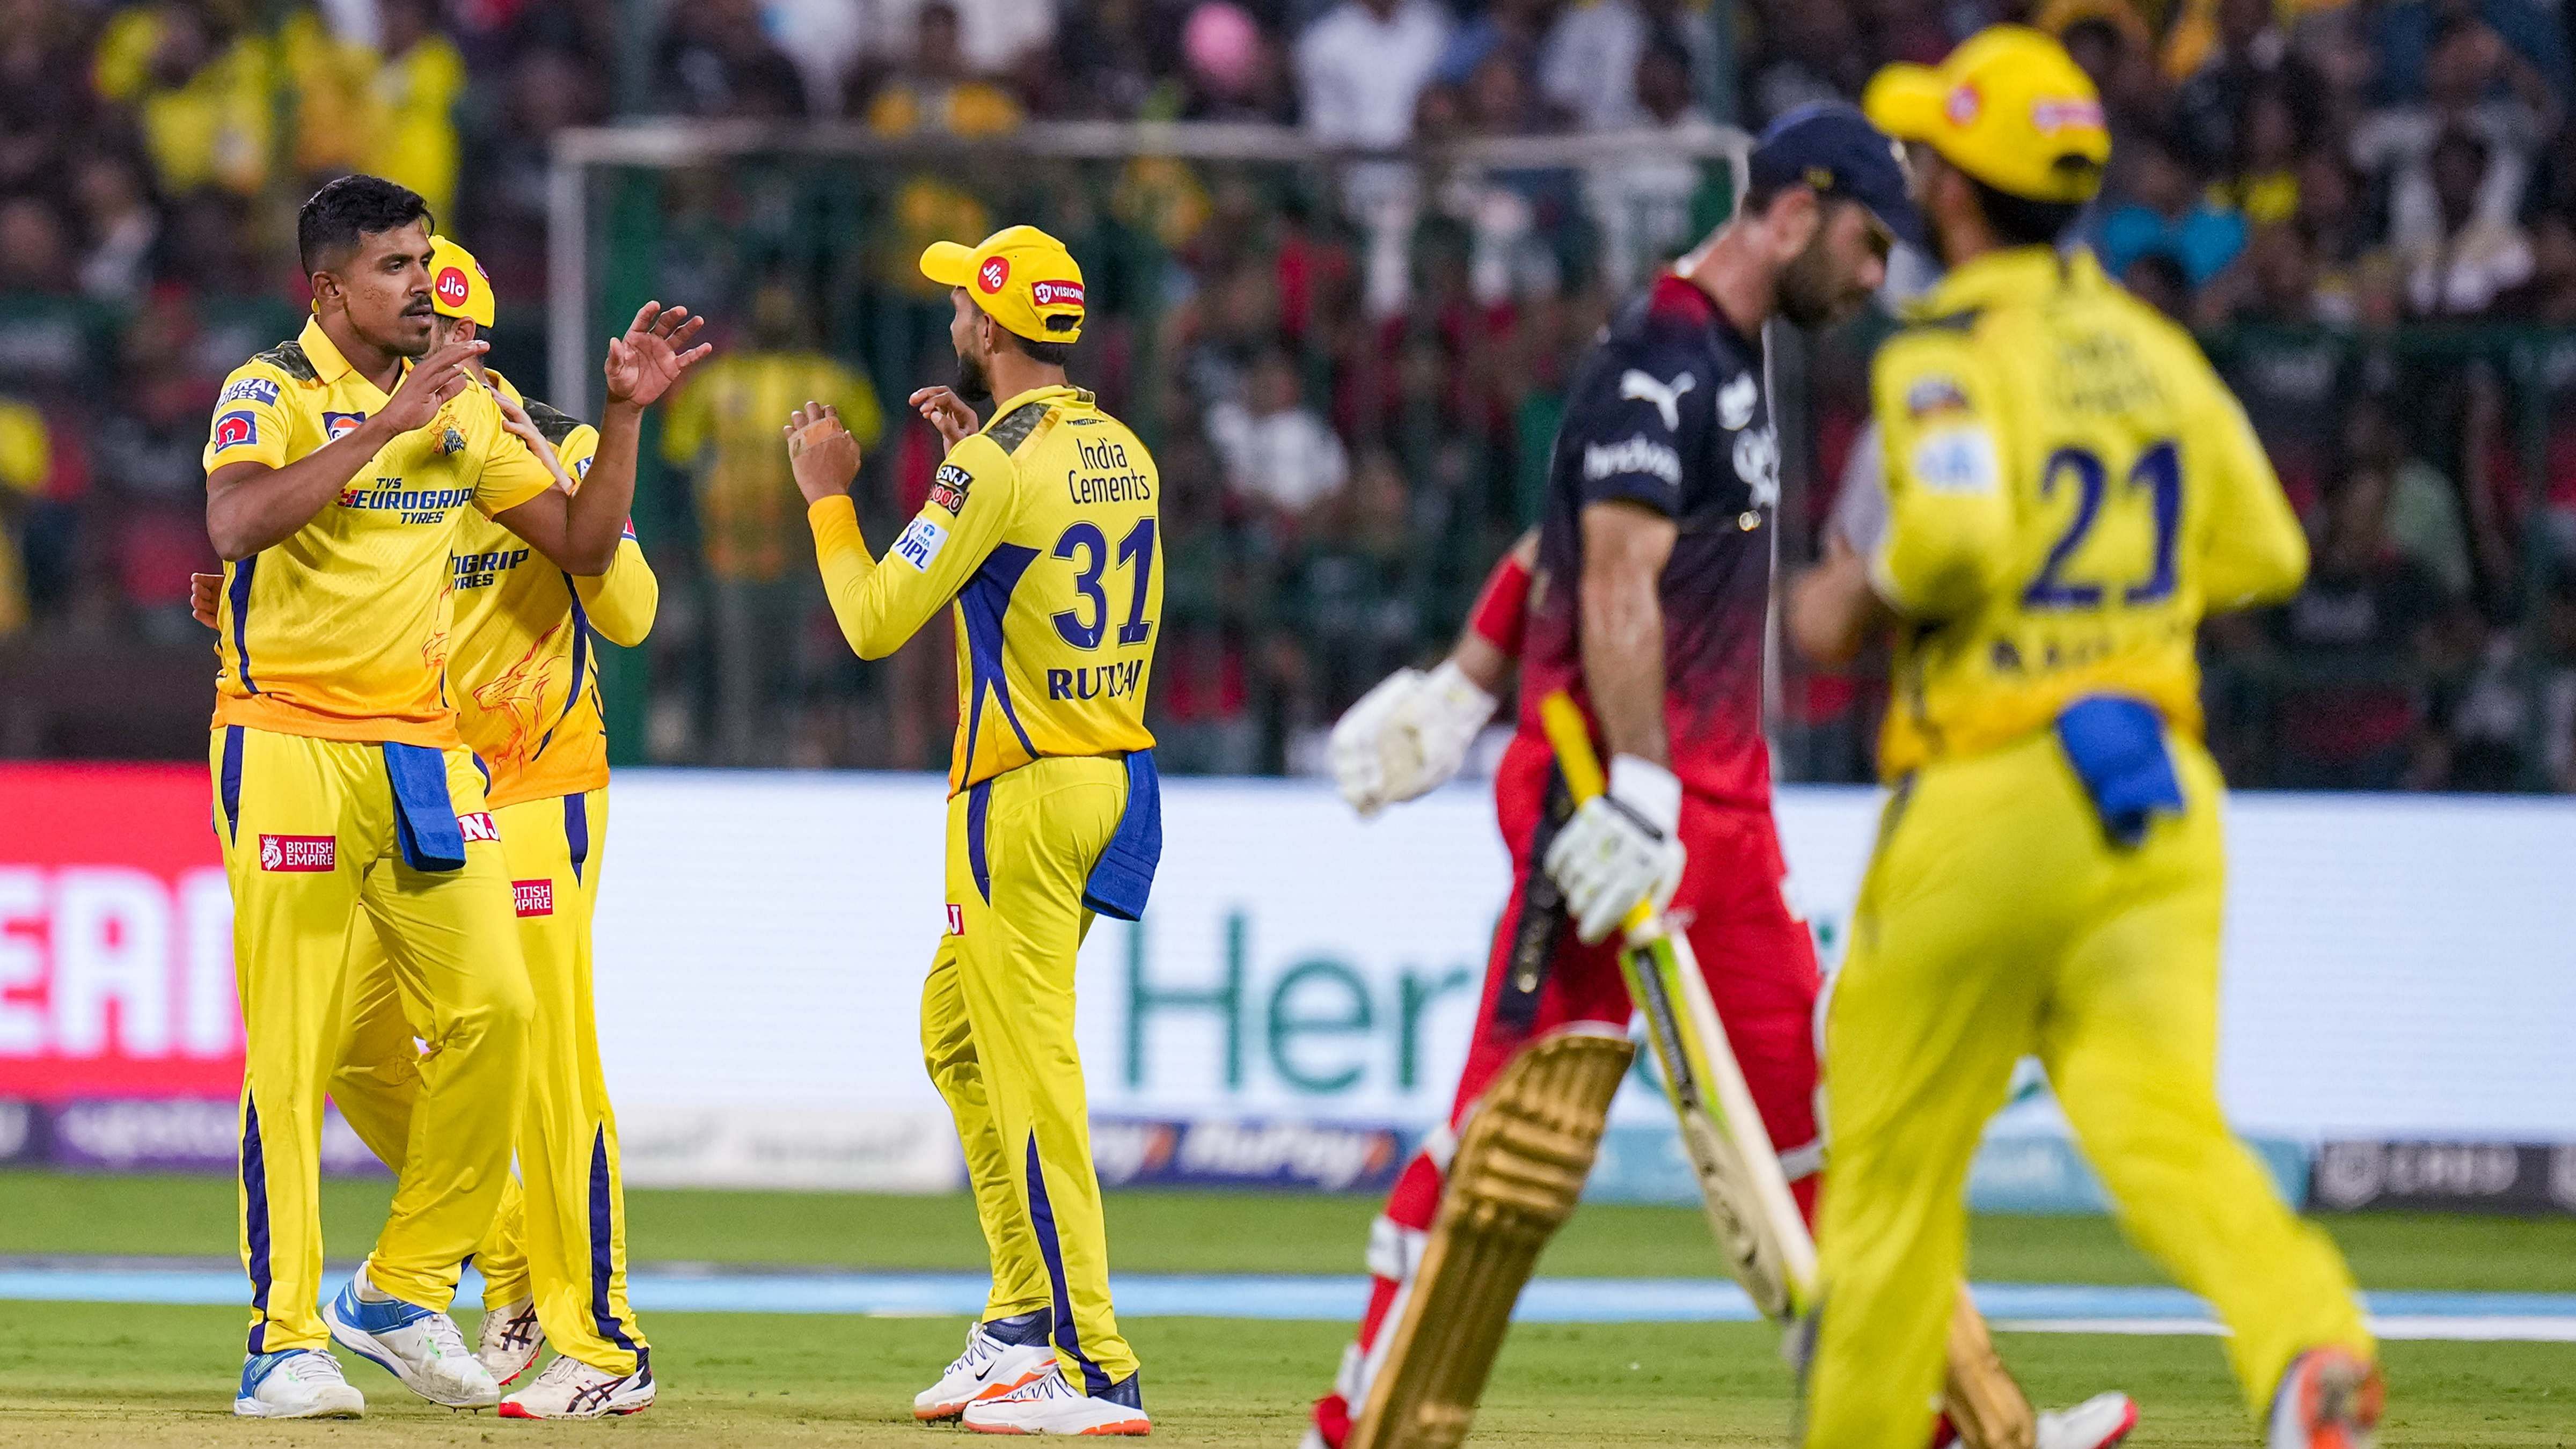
(1049,1405)
(2331,1398)
(1005,1354)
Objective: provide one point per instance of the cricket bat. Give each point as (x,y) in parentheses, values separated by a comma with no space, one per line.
(1749,1205)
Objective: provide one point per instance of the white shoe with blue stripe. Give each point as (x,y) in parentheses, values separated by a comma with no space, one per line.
(420,1346)
(296,1383)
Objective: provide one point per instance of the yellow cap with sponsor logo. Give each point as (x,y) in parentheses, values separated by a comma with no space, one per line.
(458,286)
(1021,277)
(2009,107)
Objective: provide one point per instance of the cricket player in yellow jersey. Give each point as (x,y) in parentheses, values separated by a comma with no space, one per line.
(2069,489)
(338,466)
(1040,529)
(523,673)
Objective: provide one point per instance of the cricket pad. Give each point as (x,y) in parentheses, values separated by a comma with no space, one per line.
(1519,1167)
(1984,1404)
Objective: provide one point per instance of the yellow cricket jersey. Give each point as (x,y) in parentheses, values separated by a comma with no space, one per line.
(338,632)
(2070,488)
(523,660)
(724,423)
(1041,529)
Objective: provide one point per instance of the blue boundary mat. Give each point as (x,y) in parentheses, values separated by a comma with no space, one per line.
(684,1288)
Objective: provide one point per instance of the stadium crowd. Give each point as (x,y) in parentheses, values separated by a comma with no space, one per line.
(2367,210)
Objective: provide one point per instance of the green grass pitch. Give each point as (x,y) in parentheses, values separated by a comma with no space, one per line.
(81,1374)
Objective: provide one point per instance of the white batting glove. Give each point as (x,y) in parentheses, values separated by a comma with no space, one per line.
(1622,847)
(1407,736)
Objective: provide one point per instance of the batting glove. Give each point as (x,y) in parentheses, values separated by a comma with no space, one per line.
(1622,847)
(1407,736)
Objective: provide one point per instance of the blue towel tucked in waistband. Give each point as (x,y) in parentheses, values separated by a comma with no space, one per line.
(1124,874)
(424,814)
(2117,746)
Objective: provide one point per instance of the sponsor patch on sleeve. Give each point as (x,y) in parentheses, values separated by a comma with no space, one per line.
(236,429)
(477,826)
(948,488)
(1935,395)
(535,897)
(921,543)
(1959,460)
(250,389)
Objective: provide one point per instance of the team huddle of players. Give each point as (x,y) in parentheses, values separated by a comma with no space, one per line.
(410,783)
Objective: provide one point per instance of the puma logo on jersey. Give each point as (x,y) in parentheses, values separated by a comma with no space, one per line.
(1636,386)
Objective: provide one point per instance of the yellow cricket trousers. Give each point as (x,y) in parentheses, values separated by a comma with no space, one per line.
(560,1235)
(1997,920)
(997,1033)
(308,829)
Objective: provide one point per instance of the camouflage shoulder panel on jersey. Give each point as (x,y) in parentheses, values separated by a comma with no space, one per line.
(1963,320)
(552,421)
(1013,428)
(288,357)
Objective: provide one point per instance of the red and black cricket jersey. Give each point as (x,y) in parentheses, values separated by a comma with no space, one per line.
(1669,412)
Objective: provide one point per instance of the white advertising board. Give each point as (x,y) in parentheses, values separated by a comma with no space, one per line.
(2396,966)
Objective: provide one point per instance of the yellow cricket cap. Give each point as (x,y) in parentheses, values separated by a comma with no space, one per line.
(458,286)
(2009,107)
(1021,277)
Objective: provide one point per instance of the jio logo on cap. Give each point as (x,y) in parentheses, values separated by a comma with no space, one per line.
(1963,103)
(451,286)
(991,275)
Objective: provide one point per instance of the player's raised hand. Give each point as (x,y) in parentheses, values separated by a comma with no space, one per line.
(821,452)
(444,373)
(643,364)
(203,590)
(515,421)
(946,411)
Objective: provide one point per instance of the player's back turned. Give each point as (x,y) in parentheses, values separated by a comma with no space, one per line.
(2072,488)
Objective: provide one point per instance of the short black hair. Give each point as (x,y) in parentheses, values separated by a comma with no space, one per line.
(332,219)
(2019,221)
(1052,354)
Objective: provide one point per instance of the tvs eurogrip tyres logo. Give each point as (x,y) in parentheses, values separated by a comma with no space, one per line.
(991,275)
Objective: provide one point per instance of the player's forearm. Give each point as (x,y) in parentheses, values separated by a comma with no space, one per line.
(595,518)
(1623,662)
(250,506)
(860,589)
(1833,611)
(621,603)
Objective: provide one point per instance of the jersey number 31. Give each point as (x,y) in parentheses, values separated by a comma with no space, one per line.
(1092,546)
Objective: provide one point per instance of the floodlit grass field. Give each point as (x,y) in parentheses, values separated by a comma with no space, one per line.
(85,1374)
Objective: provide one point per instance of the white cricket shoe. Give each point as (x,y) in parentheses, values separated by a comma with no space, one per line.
(1000,1356)
(420,1346)
(2330,1398)
(571,1389)
(509,1341)
(296,1383)
(1049,1405)
(2098,1423)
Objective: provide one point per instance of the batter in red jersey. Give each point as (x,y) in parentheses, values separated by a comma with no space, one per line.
(1644,593)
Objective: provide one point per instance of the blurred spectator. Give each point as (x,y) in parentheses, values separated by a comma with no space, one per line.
(1362,66)
(119,227)
(1589,66)
(1646,206)
(1232,71)
(723,427)
(2252,56)
(1814,54)
(2423,508)
(2407,36)
(2166,211)
(995,37)
(2351,715)
(26,461)
(35,254)
(2474,261)
(935,91)
(2474,88)
(715,60)
(2260,180)
(2114,47)
(203,86)
(1278,452)
(2160,282)
(44,96)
